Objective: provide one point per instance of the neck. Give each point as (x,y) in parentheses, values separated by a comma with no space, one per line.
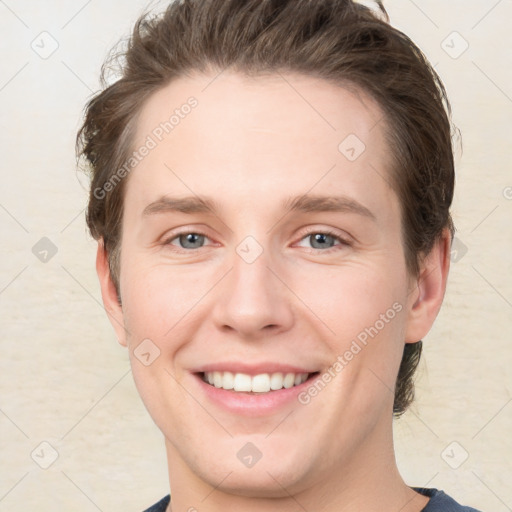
(368,479)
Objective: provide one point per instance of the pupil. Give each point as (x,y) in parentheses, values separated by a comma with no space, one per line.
(190,238)
(321,238)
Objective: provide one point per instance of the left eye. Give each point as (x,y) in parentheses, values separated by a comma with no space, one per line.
(321,240)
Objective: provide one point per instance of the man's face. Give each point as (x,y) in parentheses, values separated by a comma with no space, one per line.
(263,288)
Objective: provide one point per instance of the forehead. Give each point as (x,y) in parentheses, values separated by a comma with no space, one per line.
(289,104)
(233,136)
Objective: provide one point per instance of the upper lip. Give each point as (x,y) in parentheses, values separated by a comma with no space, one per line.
(252,369)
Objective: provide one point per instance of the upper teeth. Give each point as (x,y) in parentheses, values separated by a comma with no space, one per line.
(261,383)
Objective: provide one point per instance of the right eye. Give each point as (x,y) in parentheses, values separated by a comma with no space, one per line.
(187,240)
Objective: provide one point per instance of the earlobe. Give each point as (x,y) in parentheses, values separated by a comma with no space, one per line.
(111,301)
(427,295)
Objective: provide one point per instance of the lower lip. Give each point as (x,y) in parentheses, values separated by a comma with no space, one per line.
(253,404)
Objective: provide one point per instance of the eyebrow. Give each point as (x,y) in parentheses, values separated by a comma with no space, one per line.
(305,203)
(191,204)
(316,203)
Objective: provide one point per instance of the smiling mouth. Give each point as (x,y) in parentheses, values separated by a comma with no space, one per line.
(255,384)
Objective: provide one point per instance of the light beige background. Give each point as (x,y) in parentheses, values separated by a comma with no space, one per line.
(64,379)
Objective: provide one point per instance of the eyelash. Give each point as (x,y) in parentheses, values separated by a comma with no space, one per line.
(342,242)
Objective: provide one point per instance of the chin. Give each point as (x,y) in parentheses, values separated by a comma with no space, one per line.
(274,477)
(255,483)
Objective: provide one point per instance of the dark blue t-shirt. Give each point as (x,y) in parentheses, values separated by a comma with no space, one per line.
(439,502)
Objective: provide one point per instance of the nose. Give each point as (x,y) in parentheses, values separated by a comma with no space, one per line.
(253,299)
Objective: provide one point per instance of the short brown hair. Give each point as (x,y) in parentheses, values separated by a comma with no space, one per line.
(337,40)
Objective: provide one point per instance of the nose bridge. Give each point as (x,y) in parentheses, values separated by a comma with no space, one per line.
(251,274)
(252,299)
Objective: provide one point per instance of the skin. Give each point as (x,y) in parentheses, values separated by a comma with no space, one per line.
(250,144)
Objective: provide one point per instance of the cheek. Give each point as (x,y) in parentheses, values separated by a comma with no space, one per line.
(360,311)
(351,298)
(157,305)
(157,300)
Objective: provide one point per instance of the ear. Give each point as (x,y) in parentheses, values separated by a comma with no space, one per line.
(428,289)
(109,294)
